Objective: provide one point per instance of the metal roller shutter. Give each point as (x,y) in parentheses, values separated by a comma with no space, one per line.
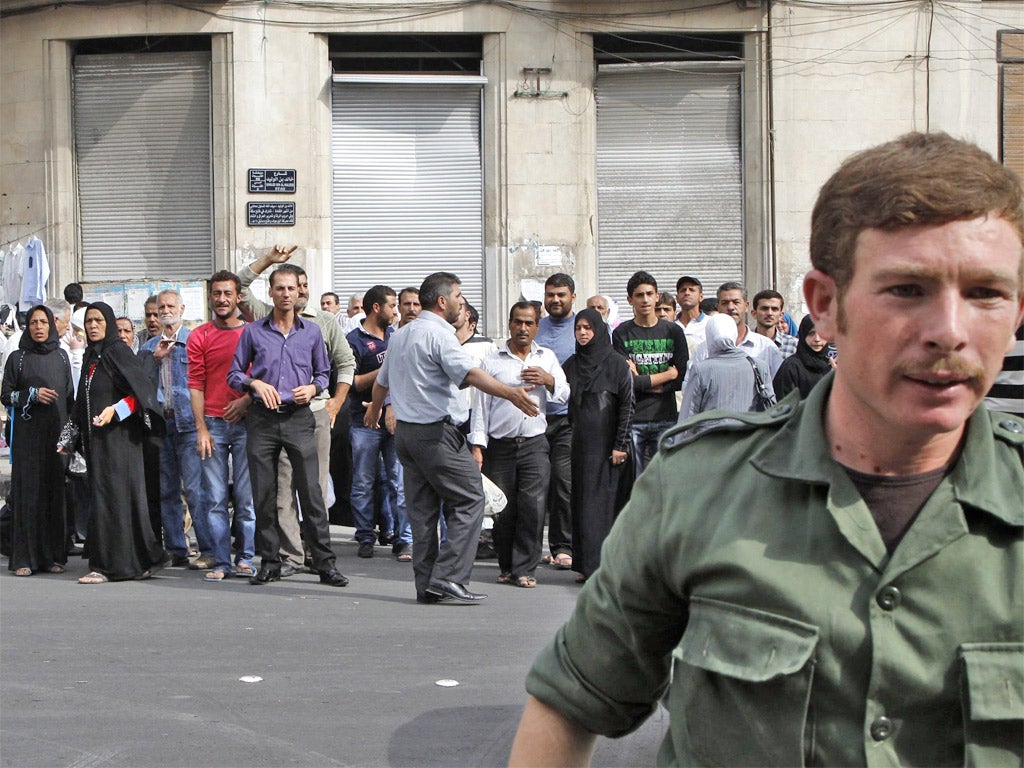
(407,196)
(142,145)
(669,175)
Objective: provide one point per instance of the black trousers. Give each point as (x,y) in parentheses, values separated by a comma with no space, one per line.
(559,436)
(267,434)
(438,467)
(520,467)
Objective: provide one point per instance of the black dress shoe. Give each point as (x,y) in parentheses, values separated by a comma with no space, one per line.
(455,591)
(266,574)
(287,569)
(333,578)
(429,598)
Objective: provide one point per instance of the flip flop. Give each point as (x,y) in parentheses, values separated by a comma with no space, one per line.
(215,576)
(93,577)
(55,568)
(23,572)
(562,561)
(504,578)
(527,582)
(244,569)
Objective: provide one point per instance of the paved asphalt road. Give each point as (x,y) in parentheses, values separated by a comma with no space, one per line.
(149,673)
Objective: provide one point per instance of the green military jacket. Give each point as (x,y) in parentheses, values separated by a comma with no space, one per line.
(746,585)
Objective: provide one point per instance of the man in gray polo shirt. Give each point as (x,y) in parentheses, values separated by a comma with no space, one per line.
(424,369)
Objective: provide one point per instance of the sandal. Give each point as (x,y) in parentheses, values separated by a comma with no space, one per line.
(527,582)
(580,578)
(23,572)
(562,561)
(405,557)
(144,575)
(244,569)
(93,577)
(55,568)
(504,578)
(215,575)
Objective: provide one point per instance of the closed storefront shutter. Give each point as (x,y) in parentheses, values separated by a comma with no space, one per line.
(669,175)
(407,195)
(142,146)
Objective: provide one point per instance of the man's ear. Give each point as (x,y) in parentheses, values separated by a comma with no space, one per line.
(822,298)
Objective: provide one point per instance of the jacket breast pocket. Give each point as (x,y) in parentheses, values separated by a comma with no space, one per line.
(992,694)
(742,681)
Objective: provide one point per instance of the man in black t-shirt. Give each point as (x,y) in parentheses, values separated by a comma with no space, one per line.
(657,354)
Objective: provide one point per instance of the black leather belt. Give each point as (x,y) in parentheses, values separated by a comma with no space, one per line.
(517,440)
(286,408)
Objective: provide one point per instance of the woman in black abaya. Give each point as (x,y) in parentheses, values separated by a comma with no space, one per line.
(601,412)
(807,366)
(115,408)
(37,387)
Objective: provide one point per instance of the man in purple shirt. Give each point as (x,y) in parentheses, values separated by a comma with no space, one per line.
(282,362)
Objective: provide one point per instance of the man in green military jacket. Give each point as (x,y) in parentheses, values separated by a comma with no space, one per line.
(836,581)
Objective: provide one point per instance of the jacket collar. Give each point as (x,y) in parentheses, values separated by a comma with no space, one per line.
(988,475)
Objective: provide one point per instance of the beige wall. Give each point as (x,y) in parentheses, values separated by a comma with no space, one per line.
(840,79)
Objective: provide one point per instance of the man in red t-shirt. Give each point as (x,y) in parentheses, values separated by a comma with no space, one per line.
(219,411)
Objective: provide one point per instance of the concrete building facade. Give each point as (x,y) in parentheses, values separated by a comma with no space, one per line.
(504,141)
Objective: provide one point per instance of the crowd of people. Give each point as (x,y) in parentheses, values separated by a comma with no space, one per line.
(230,429)
(818,557)
(225,430)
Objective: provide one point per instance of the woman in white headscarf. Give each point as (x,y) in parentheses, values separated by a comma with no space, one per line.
(725,380)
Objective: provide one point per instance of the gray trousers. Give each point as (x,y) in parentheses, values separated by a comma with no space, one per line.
(287,506)
(438,467)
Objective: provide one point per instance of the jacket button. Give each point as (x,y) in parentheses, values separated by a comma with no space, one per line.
(888,598)
(881,729)
(1011,426)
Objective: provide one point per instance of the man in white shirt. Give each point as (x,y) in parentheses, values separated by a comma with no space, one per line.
(512,450)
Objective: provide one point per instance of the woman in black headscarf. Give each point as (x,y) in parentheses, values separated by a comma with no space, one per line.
(601,413)
(115,408)
(37,387)
(807,366)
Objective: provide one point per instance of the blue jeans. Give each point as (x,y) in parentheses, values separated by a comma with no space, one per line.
(229,440)
(645,442)
(180,469)
(369,446)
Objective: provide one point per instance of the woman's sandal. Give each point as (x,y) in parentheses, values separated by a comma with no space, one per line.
(93,577)
(504,578)
(527,582)
(23,572)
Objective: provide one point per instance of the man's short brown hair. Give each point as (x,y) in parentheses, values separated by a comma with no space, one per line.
(917,179)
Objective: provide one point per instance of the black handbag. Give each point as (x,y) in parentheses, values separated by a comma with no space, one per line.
(763,398)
